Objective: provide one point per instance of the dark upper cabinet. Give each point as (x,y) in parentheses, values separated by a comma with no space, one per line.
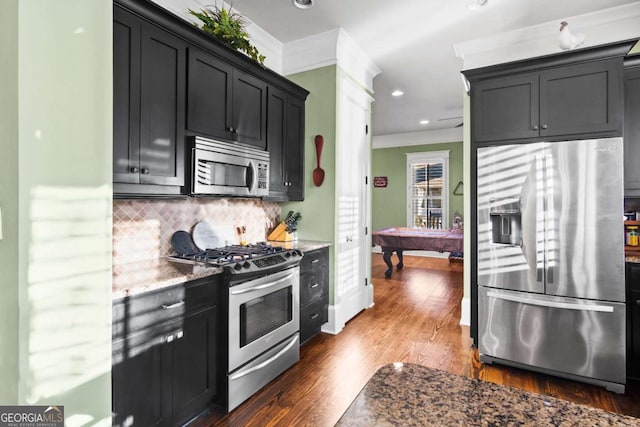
(505,108)
(285,138)
(148,121)
(223,102)
(632,130)
(208,95)
(579,99)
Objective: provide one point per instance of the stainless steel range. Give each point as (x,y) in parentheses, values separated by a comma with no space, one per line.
(261,316)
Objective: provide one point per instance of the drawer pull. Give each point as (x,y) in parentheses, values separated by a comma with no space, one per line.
(315,261)
(314,316)
(174,305)
(315,285)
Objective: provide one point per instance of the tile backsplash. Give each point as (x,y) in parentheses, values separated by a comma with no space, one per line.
(142,229)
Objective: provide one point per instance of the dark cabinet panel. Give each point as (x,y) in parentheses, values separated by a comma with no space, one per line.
(295,149)
(126,97)
(633,320)
(285,136)
(579,99)
(582,98)
(162,108)
(148,118)
(276,113)
(632,132)
(314,292)
(208,95)
(506,108)
(223,102)
(194,374)
(164,354)
(249,110)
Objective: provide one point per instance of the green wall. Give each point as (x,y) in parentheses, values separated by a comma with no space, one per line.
(55,194)
(389,205)
(318,208)
(9,202)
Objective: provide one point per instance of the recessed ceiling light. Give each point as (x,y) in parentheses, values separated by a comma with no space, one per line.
(424,122)
(477,4)
(397,92)
(304,4)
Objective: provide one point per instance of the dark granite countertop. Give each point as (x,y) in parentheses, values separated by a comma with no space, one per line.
(413,395)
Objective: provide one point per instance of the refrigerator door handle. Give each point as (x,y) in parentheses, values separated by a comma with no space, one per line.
(552,304)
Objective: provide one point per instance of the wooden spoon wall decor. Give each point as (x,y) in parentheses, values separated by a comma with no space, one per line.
(318,172)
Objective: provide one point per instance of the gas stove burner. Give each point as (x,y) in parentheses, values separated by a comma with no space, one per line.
(236,259)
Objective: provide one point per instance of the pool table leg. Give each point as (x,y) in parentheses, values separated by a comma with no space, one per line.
(386,256)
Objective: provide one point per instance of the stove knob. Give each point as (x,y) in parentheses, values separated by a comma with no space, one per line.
(246,264)
(294,253)
(288,254)
(238,266)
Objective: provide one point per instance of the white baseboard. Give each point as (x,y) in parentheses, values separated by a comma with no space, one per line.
(333,326)
(465,315)
(431,254)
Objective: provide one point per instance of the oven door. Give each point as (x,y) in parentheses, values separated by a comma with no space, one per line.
(262,313)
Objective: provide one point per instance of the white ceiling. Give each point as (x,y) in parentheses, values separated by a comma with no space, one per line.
(411,41)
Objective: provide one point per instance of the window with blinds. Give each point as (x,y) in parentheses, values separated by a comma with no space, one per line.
(428,189)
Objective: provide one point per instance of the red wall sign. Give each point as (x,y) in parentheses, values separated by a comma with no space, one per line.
(380,181)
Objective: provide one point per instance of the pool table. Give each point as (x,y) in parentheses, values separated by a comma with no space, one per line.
(399,239)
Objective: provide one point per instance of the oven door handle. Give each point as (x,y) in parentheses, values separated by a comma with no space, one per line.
(261,287)
(266,362)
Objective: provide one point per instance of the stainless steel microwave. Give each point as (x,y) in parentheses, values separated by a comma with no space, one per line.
(225,169)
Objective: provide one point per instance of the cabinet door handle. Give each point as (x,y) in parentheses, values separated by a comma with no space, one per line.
(174,305)
(315,261)
(314,316)
(146,171)
(544,126)
(134,170)
(315,285)
(169,338)
(179,334)
(535,127)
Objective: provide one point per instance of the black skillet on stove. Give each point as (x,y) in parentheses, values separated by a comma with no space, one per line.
(183,243)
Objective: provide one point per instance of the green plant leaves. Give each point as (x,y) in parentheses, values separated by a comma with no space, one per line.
(228,27)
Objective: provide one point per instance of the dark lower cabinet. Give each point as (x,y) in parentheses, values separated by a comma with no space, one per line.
(149,66)
(632,128)
(164,359)
(314,292)
(633,320)
(285,139)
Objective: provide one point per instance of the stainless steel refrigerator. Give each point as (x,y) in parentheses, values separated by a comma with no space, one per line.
(551,294)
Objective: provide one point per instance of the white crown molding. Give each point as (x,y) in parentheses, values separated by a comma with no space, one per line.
(310,53)
(436,136)
(355,62)
(333,47)
(600,27)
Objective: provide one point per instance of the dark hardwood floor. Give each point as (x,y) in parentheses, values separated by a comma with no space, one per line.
(414,319)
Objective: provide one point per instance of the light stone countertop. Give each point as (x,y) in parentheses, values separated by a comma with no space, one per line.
(138,277)
(303,245)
